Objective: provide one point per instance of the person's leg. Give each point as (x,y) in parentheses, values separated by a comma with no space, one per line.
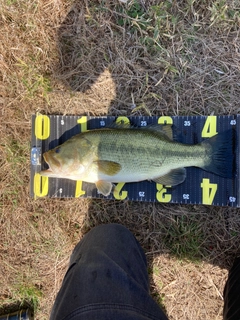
(107,279)
(231,310)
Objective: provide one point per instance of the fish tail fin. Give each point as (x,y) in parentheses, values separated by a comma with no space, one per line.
(222,155)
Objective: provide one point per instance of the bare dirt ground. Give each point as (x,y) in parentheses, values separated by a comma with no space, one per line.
(114,58)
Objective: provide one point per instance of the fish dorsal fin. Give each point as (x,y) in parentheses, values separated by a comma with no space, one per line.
(172,178)
(162,128)
(167,129)
(120,125)
(109,168)
(104,187)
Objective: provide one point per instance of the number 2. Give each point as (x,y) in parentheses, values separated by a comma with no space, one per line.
(118,193)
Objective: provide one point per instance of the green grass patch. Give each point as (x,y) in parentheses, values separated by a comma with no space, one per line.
(35,83)
(22,296)
(29,293)
(184,239)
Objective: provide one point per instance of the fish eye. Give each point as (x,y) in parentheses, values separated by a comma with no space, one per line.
(57,150)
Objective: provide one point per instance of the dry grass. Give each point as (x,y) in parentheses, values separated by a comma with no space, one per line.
(105,57)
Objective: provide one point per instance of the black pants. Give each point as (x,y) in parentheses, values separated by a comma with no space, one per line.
(232,293)
(107,279)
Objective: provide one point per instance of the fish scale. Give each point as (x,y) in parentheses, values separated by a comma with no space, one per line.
(157,154)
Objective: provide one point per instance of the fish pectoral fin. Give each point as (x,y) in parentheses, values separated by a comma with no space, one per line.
(173,177)
(108,167)
(104,187)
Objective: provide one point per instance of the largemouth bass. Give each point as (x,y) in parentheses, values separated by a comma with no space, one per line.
(124,154)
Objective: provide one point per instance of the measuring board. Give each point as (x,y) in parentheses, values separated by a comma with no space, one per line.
(200,186)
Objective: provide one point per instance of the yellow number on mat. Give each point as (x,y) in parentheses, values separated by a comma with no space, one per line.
(124,120)
(78,190)
(210,127)
(208,191)
(83,127)
(118,193)
(83,123)
(165,120)
(40,185)
(42,127)
(162,195)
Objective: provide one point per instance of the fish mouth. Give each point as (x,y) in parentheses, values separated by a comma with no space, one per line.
(51,161)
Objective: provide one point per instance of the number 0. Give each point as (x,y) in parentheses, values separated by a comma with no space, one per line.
(40,185)
(42,127)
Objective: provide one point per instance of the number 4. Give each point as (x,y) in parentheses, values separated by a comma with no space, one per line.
(208,191)
(210,127)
